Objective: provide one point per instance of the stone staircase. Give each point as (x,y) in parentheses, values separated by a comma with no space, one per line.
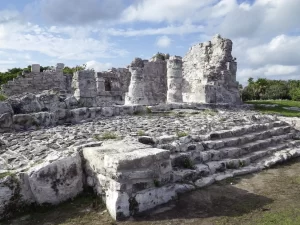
(233,152)
(137,176)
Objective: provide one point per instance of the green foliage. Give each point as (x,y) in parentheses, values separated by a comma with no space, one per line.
(161,56)
(181,133)
(2,97)
(105,136)
(295,94)
(149,110)
(6,174)
(141,133)
(264,89)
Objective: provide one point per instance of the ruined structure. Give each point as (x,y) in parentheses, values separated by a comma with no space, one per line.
(150,159)
(148,82)
(209,73)
(36,81)
(174,77)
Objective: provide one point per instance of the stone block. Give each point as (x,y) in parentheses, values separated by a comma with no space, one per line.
(57,181)
(35,68)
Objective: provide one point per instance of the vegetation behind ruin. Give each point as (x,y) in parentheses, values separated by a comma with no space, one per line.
(264,89)
(15,72)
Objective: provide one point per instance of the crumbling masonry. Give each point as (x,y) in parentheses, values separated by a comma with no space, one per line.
(179,125)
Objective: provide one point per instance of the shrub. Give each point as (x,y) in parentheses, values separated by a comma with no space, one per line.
(2,97)
(295,94)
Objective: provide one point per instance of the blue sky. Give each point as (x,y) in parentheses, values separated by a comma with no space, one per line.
(110,33)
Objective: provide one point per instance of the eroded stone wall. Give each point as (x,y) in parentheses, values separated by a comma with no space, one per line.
(148,82)
(209,73)
(36,81)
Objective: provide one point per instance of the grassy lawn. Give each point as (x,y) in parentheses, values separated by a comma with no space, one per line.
(278,109)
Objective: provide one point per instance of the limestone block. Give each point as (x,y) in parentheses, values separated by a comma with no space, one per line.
(5,107)
(77,115)
(24,121)
(57,181)
(107,111)
(6,121)
(29,104)
(35,68)
(205,181)
(149,199)
(15,193)
(117,204)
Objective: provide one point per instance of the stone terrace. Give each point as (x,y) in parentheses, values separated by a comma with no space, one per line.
(153,157)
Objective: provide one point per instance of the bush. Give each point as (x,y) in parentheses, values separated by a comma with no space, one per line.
(2,97)
(295,94)
(276,91)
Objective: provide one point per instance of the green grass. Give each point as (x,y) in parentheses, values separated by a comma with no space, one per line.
(5,174)
(141,133)
(106,136)
(181,134)
(2,97)
(278,110)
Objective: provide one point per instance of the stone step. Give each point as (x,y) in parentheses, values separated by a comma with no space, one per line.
(186,159)
(238,166)
(235,152)
(238,131)
(243,139)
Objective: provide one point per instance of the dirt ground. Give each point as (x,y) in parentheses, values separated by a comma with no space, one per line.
(268,197)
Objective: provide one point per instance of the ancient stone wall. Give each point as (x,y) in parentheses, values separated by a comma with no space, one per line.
(85,88)
(101,88)
(36,81)
(148,82)
(112,86)
(209,73)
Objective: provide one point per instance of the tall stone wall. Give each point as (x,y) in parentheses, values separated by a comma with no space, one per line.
(36,81)
(85,88)
(148,85)
(209,73)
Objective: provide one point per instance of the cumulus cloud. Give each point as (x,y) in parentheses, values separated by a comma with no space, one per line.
(77,12)
(170,11)
(186,28)
(282,49)
(265,18)
(20,36)
(270,72)
(163,42)
(98,66)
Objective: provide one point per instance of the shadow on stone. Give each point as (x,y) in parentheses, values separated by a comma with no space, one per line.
(213,201)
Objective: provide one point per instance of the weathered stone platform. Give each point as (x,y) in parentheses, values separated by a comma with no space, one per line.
(155,155)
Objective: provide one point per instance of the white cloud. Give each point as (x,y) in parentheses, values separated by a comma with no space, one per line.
(98,66)
(186,28)
(270,72)
(159,11)
(163,42)
(275,70)
(19,36)
(282,49)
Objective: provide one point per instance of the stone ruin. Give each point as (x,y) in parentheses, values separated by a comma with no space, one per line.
(179,125)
